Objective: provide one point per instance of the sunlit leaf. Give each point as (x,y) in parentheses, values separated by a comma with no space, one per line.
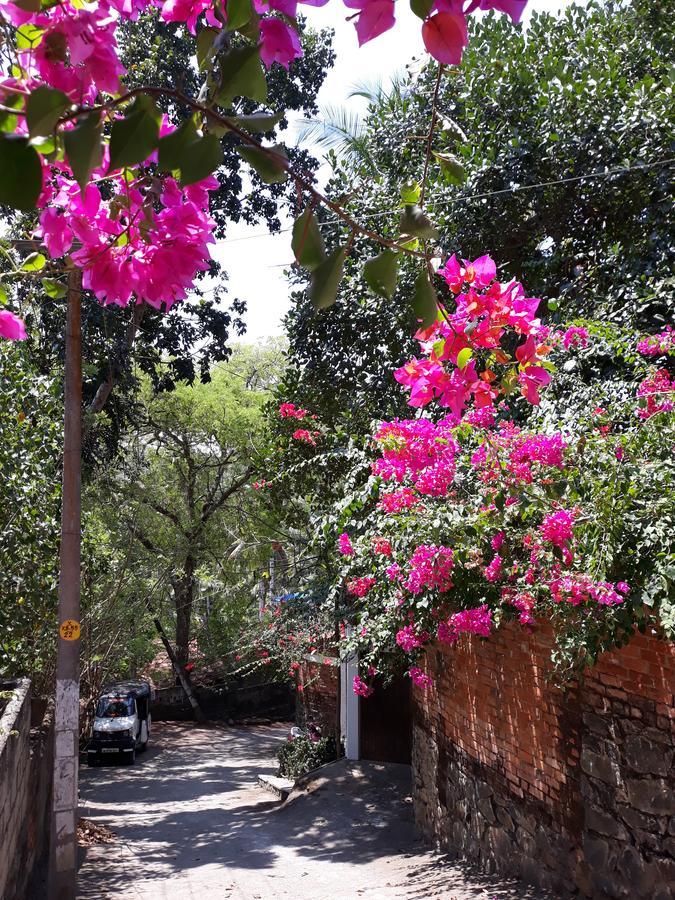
(270,163)
(425,301)
(381,273)
(44,107)
(135,137)
(307,243)
(20,172)
(326,279)
(414,222)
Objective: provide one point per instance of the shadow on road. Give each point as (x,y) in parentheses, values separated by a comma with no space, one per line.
(190,812)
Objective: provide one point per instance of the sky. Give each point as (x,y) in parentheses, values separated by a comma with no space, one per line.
(255,261)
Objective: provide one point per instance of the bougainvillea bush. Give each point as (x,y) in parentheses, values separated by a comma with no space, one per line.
(489,504)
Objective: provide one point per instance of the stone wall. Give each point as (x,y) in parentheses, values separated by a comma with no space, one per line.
(318,689)
(572,791)
(236,700)
(25,790)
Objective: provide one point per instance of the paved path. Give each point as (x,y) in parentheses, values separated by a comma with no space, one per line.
(192,824)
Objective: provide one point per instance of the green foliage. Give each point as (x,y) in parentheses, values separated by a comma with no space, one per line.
(300,756)
(30,453)
(20,172)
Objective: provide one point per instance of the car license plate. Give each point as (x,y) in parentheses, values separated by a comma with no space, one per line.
(109,750)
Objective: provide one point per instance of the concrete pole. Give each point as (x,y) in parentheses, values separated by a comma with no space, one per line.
(63,861)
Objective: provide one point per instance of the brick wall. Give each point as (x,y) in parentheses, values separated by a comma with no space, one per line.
(572,791)
(318,686)
(25,780)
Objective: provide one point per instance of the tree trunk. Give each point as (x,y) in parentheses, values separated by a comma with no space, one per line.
(184,589)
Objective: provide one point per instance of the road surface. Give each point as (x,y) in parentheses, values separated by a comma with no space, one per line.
(191,823)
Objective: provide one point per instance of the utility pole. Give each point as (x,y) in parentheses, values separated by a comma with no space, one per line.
(63,857)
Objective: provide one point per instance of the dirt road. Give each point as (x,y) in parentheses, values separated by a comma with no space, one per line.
(192,824)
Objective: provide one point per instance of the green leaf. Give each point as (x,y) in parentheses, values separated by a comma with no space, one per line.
(452,169)
(257,123)
(28,36)
(307,243)
(381,273)
(268,162)
(44,108)
(53,288)
(411,192)
(135,137)
(421,8)
(326,279)
(415,222)
(425,301)
(239,13)
(83,148)
(552,305)
(451,130)
(195,156)
(204,42)
(20,172)
(34,262)
(27,5)
(241,75)
(3,295)
(463,357)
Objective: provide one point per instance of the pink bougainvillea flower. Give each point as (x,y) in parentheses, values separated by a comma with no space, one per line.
(557,527)
(657,344)
(513,8)
(420,678)
(189,11)
(361,689)
(345,545)
(375,17)
(11,326)
(445,37)
(279,42)
(304,436)
(575,337)
(359,587)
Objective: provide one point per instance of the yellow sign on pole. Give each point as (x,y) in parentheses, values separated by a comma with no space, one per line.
(70,630)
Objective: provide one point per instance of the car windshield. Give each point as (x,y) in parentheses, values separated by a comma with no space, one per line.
(114,707)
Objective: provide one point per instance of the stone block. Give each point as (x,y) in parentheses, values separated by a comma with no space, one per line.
(596,851)
(652,795)
(636,819)
(599,766)
(605,823)
(636,872)
(487,811)
(648,756)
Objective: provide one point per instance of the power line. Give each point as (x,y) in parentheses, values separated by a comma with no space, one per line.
(516,188)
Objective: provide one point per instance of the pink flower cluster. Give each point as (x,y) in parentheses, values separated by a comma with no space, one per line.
(523,601)
(429,567)
(345,545)
(360,687)
(420,678)
(381,546)
(396,501)
(419,449)
(658,344)
(557,527)
(517,456)
(359,587)
(577,589)
(148,241)
(291,411)
(468,621)
(493,571)
(305,436)
(659,392)
(486,314)
(575,337)
(409,639)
